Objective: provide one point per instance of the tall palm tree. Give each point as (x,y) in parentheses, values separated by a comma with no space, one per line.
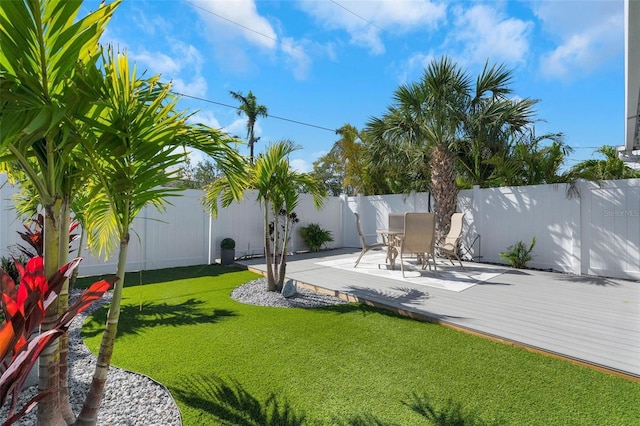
(136,160)
(429,114)
(278,188)
(44,48)
(249,107)
(443,112)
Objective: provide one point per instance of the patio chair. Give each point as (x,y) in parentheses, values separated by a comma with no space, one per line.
(419,238)
(363,241)
(396,221)
(449,248)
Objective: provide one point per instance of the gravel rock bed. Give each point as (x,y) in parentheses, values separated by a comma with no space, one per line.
(129,398)
(255,293)
(134,399)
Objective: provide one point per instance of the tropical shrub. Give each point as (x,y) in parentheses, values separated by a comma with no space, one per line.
(315,237)
(24,310)
(518,254)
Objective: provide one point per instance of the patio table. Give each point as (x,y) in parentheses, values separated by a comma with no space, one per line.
(391,237)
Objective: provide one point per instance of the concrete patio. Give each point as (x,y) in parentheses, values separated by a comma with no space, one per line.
(587,320)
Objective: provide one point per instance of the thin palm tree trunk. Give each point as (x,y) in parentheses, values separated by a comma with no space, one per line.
(89,414)
(49,407)
(271,285)
(63,305)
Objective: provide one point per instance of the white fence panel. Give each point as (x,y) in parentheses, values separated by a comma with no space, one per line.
(504,216)
(9,223)
(611,228)
(598,234)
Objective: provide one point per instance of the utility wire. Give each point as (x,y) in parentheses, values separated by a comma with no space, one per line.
(358,16)
(245,27)
(269,115)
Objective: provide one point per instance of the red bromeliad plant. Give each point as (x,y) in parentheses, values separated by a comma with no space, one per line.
(33,235)
(24,308)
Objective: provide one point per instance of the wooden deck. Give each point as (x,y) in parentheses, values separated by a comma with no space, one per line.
(588,320)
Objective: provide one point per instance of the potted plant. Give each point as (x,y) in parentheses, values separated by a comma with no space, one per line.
(228,251)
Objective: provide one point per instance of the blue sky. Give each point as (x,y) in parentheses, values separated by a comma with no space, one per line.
(326,63)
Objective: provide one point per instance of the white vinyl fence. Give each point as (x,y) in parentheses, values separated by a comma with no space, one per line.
(596,234)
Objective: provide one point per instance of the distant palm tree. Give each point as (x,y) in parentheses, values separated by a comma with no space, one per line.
(612,167)
(278,188)
(250,108)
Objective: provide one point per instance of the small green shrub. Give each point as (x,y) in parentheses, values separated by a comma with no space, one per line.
(228,243)
(315,237)
(518,254)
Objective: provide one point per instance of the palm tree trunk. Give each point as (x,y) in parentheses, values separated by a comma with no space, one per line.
(444,189)
(63,305)
(49,407)
(89,414)
(271,284)
(283,256)
(276,248)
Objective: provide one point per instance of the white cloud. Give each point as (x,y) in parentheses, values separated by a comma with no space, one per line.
(149,24)
(365,20)
(237,19)
(486,34)
(300,165)
(239,128)
(232,27)
(196,87)
(207,118)
(588,36)
(297,58)
(182,65)
(413,67)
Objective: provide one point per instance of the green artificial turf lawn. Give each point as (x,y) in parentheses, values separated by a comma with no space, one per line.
(349,364)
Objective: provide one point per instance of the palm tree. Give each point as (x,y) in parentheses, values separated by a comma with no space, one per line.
(249,106)
(612,167)
(493,122)
(443,112)
(429,114)
(529,162)
(278,189)
(138,132)
(44,48)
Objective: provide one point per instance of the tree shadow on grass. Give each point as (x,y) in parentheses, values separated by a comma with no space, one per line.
(452,414)
(134,318)
(231,404)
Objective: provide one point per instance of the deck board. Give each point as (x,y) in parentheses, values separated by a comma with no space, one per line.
(590,319)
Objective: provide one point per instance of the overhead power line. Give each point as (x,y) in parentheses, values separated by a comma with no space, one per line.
(269,115)
(357,16)
(245,27)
